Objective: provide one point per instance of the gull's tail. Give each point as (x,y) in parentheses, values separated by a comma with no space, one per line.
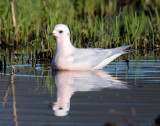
(116,52)
(125,49)
(128,50)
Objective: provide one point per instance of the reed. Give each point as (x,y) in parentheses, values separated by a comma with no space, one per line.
(93,23)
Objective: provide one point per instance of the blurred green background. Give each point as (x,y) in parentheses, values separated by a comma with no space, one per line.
(93,23)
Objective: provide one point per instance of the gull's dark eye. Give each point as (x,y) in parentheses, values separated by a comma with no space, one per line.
(60,31)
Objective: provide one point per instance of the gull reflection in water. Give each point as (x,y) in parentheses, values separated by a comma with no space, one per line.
(69,82)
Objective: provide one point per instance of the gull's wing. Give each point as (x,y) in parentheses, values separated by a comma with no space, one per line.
(92,57)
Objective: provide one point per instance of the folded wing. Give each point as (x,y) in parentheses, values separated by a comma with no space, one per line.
(92,57)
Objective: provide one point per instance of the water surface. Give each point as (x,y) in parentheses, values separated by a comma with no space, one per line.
(123,92)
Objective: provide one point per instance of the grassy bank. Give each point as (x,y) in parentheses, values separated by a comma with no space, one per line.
(93,23)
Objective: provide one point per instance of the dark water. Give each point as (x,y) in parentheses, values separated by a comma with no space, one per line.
(126,93)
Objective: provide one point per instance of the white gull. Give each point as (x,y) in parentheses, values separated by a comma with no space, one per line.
(67,57)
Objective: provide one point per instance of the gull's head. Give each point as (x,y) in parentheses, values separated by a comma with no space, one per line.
(60,31)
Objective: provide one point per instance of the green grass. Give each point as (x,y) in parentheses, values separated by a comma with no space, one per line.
(93,23)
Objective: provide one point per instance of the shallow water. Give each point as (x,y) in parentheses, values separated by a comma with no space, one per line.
(126,93)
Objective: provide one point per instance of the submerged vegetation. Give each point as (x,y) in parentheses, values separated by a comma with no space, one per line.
(93,23)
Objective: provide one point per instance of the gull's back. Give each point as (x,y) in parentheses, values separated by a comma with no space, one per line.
(96,58)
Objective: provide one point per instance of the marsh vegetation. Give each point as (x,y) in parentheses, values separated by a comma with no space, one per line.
(93,23)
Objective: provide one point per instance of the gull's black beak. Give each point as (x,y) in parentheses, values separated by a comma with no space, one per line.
(50,33)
